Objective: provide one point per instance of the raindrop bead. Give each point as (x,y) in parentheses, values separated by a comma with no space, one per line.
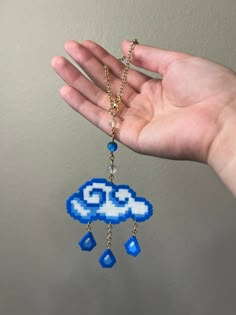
(112,146)
(132,246)
(107,259)
(112,169)
(87,242)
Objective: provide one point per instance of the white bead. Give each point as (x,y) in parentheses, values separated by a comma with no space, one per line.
(113,122)
(112,169)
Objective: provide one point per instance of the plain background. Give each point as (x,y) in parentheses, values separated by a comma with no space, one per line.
(188,261)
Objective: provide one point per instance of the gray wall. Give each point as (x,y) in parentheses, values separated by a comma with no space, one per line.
(47,150)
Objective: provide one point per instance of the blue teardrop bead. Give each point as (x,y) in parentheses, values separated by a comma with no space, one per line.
(87,242)
(107,259)
(132,246)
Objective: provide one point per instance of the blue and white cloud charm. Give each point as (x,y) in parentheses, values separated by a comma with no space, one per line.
(99,199)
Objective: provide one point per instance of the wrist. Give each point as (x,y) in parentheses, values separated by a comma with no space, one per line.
(222,153)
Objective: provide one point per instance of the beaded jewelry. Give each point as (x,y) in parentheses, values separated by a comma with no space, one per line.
(100,199)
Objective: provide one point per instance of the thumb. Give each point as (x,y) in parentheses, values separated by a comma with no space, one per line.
(152,58)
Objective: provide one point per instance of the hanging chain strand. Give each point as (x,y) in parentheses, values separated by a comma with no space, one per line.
(114,101)
(109,235)
(114,107)
(135,229)
(89,227)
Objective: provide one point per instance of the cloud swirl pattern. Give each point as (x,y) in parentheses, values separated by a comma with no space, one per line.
(99,199)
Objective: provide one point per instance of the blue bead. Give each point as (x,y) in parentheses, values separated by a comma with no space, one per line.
(87,242)
(132,246)
(112,146)
(107,259)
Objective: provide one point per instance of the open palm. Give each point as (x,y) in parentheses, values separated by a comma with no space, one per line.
(173,117)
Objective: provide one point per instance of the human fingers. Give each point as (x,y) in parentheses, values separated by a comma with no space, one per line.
(151,58)
(73,77)
(135,78)
(94,68)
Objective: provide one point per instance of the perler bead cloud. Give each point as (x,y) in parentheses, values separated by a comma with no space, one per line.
(99,199)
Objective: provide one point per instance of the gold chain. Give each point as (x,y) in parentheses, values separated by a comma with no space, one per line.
(89,227)
(109,235)
(135,228)
(114,101)
(114,107)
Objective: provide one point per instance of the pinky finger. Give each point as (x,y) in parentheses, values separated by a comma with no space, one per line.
(96,115)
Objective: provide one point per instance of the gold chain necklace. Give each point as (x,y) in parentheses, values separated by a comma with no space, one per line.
(115,100)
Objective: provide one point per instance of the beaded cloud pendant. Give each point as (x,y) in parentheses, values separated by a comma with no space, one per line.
(100,199)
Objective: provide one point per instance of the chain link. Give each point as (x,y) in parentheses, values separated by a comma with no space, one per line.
(135,228)
(89,227)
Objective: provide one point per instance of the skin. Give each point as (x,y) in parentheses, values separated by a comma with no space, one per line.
(188,114)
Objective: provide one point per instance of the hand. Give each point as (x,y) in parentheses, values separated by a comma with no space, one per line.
(179,116)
